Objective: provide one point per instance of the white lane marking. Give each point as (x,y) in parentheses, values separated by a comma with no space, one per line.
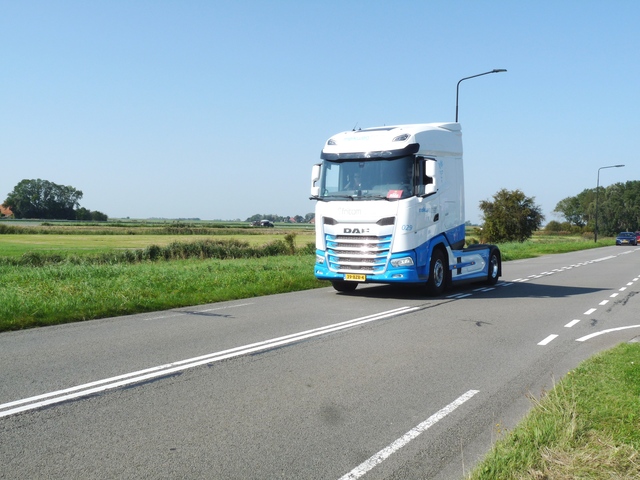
(383,454)
(549,339)
(622,289)
(162,370)
(572,323)
(614,295)
(604,302)
(587,337)
(590,311)
(459,295)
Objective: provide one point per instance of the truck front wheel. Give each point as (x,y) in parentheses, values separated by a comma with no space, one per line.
(343,286)
(438,271)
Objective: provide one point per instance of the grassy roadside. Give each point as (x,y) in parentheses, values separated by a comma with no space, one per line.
(61,293)
(586,427)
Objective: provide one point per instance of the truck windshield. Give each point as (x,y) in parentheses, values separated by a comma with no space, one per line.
(367,179)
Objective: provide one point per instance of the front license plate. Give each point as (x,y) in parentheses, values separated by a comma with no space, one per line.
(355,278)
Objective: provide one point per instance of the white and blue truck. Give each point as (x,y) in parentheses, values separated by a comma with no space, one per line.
(390,209)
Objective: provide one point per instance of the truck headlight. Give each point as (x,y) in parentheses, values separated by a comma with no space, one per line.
(319,259)
(402,262)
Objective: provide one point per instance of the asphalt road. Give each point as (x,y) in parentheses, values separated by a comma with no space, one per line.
(381,383)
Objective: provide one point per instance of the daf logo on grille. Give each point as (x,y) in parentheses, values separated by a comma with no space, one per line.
(356,230)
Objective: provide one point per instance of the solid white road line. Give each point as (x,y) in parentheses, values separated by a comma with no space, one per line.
(383,454)
(587,337)
(162,370)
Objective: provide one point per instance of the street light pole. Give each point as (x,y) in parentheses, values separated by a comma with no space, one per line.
(595,231)
(495,70)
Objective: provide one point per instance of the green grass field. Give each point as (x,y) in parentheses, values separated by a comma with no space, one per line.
(82,244)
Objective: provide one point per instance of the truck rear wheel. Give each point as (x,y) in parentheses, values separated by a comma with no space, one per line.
(343,286)
(438,271)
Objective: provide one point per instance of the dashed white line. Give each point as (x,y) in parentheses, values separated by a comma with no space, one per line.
(572,323)
(590,311)
(547,340)
(604,302)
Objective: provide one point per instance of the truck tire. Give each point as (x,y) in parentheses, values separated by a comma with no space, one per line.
(438,271)
(343,286)
(494,267)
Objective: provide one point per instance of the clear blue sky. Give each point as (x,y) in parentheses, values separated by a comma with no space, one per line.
(218,109)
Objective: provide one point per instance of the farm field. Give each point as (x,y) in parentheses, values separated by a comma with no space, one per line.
(78,244)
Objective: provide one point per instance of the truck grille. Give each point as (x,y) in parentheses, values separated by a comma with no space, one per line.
(356,253)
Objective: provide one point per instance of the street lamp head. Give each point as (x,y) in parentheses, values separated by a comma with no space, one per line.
(495,70)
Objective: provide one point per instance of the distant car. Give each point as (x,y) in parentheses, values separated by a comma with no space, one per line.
(262,223)
(626,238)
(637,237)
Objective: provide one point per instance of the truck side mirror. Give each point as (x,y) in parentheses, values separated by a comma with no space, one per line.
(428,180)
(315,176)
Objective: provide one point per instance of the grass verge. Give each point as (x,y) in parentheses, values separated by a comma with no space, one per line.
(586,427)
(61,293)
(546,245)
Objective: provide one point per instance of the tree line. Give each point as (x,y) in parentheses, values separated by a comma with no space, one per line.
(279,218)
(618,209)
(43,199)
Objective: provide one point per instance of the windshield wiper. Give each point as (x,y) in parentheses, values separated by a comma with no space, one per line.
(326,198)
(378,197)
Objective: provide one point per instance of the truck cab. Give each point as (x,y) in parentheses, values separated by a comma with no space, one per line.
(390,209)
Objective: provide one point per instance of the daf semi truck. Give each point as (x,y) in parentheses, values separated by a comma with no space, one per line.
(390,209)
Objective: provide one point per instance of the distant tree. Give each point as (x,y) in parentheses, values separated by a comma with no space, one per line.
(309,216)
(299,218)
(99,216)
(511,216)
(83,214)
(86,214)
(43,199)
(573,211)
